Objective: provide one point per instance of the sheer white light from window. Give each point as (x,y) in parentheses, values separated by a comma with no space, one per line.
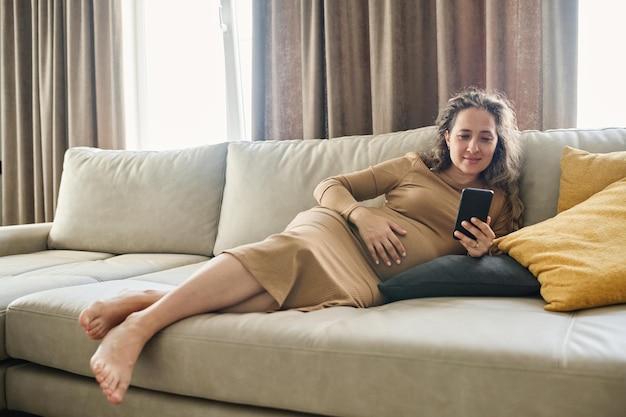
(243,10)
(601,63)
(175,74)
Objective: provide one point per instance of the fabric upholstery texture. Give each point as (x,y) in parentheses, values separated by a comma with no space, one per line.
(578,256)
(124,202)
(584,173)
(460,275)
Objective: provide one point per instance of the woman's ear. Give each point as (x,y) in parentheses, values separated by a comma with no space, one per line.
(446,135)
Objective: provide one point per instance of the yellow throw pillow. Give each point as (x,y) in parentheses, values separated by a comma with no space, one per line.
(578,255)
(583,174)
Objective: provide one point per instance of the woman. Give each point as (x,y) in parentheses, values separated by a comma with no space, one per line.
(337,253)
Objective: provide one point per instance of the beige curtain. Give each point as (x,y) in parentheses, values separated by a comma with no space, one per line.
(327,68)
(60,87)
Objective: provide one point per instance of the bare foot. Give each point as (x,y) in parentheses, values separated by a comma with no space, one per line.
(101,316)
(113,362)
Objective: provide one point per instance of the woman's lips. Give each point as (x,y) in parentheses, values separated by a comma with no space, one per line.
(473,161)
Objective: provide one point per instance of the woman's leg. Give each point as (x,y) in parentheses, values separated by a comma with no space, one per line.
(224,283)
(102,316)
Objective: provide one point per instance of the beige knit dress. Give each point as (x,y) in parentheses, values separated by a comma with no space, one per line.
(320,261)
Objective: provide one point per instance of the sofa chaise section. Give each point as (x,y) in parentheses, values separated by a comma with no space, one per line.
(435,355)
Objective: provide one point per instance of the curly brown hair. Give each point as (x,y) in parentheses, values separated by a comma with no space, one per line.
(504,170)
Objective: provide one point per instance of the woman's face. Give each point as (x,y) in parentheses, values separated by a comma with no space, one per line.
(472,143)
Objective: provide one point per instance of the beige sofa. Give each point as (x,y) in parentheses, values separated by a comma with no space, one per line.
(144,220)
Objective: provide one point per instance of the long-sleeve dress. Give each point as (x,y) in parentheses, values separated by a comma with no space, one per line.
(320,261)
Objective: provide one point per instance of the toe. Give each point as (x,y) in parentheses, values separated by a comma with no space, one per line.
(84,320)
(117,395)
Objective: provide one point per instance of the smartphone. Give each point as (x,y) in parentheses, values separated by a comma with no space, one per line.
(475,202)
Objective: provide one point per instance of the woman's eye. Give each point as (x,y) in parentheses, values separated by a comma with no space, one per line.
(464,136)
(487,139)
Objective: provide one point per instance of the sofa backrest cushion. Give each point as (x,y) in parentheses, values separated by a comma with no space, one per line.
(268,183)
(126,201)
(541,172)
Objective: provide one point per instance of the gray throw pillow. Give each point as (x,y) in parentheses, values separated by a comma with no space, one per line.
(460,275)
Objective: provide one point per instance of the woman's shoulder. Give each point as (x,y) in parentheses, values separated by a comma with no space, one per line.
(415,159)
(407,162)
(413,156)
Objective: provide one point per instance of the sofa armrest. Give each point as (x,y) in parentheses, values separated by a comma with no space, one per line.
(24,238)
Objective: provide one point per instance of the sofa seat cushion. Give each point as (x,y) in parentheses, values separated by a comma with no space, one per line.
(56,269)
(65,268)
(30,262)
(173,276)
(336,361)
(133,202)
(13,266)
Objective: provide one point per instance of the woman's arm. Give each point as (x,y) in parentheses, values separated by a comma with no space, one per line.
(343,193)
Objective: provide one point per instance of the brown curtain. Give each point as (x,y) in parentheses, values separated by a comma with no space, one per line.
(60,87)
(327,68)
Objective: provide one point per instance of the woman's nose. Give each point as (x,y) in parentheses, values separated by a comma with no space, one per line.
(472,146)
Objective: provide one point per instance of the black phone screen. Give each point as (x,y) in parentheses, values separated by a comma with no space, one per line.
(475,202)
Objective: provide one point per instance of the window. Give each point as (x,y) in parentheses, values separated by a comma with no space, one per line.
(178,91)
(601,63)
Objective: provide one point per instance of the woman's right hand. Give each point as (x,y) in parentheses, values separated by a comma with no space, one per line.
(380,236)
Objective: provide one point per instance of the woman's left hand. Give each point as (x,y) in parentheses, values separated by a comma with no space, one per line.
(484,237)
